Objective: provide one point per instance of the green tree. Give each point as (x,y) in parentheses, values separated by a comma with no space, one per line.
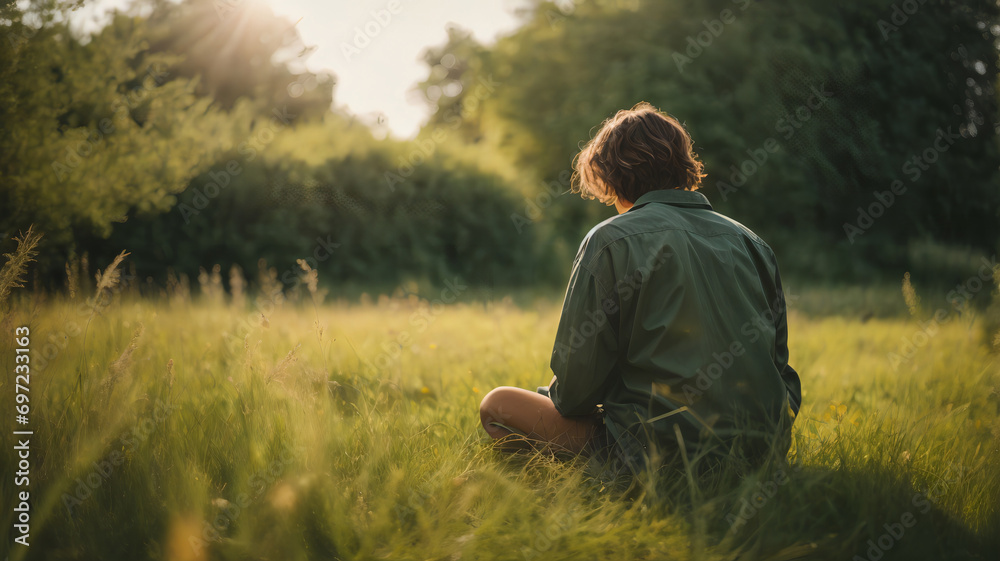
(240,50)
(451,85)
(741,74)
(97,128)
(109,127)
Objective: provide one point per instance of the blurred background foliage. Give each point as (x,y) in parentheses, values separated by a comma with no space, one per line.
(191,139)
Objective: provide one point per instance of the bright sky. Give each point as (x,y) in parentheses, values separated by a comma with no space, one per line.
(378,77)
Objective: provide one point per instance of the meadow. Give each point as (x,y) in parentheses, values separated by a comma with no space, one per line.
(229,427)
(308,411)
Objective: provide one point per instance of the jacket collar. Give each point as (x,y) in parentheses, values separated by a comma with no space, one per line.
(675,197)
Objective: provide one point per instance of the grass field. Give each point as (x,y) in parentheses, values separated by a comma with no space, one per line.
(167,429)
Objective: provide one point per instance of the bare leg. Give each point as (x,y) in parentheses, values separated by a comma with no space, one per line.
(535,415)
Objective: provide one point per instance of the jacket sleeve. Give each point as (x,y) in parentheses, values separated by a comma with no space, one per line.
(586,346)
(788,374)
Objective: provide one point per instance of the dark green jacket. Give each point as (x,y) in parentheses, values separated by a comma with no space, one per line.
(674,325)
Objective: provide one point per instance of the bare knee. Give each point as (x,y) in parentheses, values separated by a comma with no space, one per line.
(492,405)
(496,407)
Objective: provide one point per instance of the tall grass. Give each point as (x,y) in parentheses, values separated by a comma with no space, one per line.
(16,265)
(342,430)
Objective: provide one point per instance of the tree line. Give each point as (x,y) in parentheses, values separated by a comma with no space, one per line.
(851,135)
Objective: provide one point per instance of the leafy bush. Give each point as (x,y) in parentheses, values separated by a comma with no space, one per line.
(442,220)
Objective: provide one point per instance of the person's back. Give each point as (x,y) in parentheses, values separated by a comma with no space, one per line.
(673,335)
(694,333)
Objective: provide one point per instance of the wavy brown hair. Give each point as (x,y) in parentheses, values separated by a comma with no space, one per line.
(638,150)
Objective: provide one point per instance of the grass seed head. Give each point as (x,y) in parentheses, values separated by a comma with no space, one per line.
(13,272)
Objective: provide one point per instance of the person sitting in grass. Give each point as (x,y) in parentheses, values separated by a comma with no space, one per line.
(672,343)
